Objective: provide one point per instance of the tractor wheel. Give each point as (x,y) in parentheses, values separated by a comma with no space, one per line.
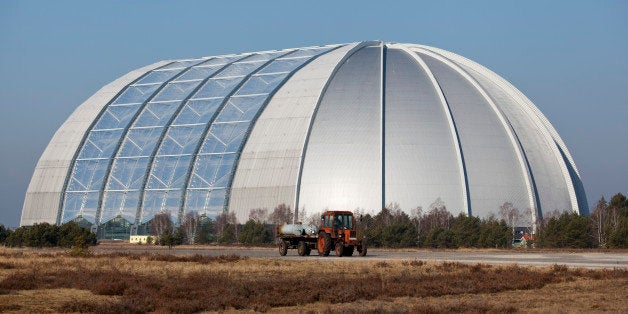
(339,249)
(362,249)
(302,248)
(324,244)
(283,248)
(348,250)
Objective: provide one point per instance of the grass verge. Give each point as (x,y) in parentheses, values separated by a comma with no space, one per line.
(125,282)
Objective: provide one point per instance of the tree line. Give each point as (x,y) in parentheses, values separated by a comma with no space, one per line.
(437,228)
(259,229)
(606,227)
(46,235)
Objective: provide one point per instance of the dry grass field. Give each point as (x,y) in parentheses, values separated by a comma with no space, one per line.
(37,282)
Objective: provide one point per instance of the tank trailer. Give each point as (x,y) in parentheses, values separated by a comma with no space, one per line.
(337,232)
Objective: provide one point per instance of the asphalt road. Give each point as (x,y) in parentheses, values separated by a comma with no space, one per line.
(535,258)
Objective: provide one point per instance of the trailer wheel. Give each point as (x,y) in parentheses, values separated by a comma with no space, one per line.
(308,251)
(302,248)
(362,249)
(324,244)
(283,248)
(339,249)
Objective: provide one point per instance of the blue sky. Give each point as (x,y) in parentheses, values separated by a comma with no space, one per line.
(568,57)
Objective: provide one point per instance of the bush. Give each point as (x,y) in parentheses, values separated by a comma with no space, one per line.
(4,234)
(254,233)
(47,235)
(205,232)
(569,230)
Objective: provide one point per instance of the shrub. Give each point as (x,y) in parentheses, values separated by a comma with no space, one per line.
(253,233)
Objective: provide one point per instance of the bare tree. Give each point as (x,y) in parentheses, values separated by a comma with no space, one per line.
(437,216)
(259,215)
(510,214)
(190,223)
(160,223)
(416,215)
(223,220)
(281,214)
(600,222)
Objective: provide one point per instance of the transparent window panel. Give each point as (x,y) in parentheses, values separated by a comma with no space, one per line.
(88,174)
(240,68)
(223,172)
(222,136)
(156,202)
(176,91)
(205,170)
(156,114)
(198,111)
(241,108)
(172,202)
(100,144)
(152,204)
(181,64)
(140,142)
(117,117)
(199,73)
(218,87)
(136,94)
(128,173)
(169,172)
(219,61)
(205,202)
(261,84)
(284,65)
(265,56)
(158,77)
(80,204)
(123,203)
(181,140)
(308,52)
(72,205)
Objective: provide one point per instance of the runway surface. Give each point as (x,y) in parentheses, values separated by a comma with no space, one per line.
(535,257)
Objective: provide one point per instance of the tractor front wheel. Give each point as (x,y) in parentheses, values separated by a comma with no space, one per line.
(339,249)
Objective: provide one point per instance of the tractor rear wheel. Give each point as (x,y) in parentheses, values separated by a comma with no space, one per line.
(283,248)
(339,249)
(362,249)
(302,248)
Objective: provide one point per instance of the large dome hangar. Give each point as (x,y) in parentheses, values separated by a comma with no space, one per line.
(346,126)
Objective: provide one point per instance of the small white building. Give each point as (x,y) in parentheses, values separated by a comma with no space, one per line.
(139,239)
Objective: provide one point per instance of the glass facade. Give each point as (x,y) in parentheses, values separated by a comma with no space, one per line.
(170,140)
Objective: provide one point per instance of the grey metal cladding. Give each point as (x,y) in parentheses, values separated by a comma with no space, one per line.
(492,169)
(551,189)
(565,164)
(421,163)
(342,166)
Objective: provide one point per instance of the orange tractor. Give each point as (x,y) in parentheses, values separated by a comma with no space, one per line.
(337,232)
